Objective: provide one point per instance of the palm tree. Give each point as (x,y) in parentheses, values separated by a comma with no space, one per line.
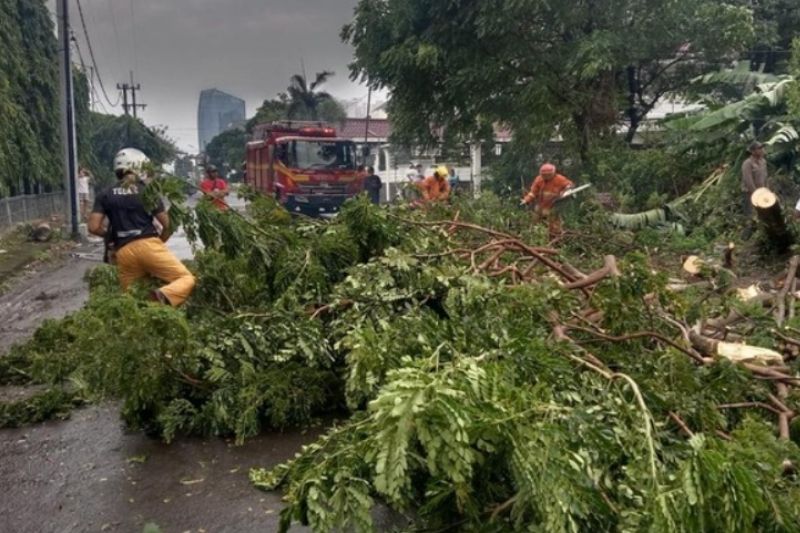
(305,100)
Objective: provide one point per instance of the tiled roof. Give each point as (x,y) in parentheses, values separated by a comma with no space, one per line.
(355,128)
(381,129)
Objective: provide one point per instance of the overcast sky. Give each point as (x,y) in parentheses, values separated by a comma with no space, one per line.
(249,48)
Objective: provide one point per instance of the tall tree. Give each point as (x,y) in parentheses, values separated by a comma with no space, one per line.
(794,94)
(271,110)
(308,103)
(110,133)
(29,124)
(227,150)
(776,23)
(574,69)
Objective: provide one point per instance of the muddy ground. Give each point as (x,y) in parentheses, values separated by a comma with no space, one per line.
(88,474)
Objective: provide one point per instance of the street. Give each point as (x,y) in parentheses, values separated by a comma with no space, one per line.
(88,474)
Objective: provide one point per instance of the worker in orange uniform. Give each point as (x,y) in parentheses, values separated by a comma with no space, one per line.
(546,190)
(436,188)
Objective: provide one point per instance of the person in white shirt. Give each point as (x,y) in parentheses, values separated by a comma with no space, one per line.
(84,184)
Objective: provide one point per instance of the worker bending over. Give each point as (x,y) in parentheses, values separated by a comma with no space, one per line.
(140,248)
(547,189)
(436,188)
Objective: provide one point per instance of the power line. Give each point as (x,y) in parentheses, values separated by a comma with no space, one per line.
(91,54)
(133,37)
(92,92)
(110,5)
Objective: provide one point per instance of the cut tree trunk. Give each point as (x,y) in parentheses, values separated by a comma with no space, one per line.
(771,217)
(735,352)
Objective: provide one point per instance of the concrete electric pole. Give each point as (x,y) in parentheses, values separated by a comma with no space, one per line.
(130,106)
(68,117)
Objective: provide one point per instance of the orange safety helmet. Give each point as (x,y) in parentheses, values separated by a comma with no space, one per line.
(547,168)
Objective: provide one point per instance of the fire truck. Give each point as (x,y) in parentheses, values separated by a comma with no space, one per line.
(304,166)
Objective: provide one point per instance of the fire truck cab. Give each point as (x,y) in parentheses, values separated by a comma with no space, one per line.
(304,166)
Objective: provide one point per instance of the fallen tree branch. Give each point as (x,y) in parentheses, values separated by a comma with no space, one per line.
(640,335)
(749,405)
(780,313)
(736,353)
(609,270)
(681,424)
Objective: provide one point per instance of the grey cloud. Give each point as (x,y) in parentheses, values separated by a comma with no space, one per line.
(247,47)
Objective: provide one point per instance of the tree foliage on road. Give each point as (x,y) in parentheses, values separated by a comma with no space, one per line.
(537,65)
(489,386)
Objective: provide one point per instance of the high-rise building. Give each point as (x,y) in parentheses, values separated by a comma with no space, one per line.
(217,112)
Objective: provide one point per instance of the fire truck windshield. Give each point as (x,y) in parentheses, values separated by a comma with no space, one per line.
(307,155)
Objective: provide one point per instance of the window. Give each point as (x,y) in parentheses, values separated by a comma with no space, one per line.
(310,155)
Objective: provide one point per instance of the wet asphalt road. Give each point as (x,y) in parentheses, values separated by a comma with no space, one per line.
(87,474)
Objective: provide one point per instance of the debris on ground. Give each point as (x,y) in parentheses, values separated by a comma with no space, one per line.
(488,377)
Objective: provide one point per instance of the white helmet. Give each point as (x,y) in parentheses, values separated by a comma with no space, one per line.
(130,159)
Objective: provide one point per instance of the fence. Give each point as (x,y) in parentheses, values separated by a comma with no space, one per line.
(20,209)
(395,180)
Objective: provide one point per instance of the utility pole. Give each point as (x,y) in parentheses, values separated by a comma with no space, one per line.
(134,105)
(67,116)
(369,105)
(130,106)
(366,124)
(125,107)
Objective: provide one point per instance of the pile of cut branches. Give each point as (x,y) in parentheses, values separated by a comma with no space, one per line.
(535,393)
(492,382)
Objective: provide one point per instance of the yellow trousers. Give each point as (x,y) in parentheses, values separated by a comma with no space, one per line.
(144,257)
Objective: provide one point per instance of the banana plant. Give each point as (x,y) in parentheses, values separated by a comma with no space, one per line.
(763,115)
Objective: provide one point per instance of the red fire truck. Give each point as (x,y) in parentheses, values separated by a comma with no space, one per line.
(304,165)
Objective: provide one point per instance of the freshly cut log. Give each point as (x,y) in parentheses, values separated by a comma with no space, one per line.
(769,212)
(749,293)
(693,265)
(735,352)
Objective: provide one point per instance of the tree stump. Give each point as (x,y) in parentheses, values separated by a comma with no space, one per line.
(42,233)
(769,212)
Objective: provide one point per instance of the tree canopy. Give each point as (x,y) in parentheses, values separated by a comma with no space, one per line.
(227,150)
(305,99)
(544,68)
(29,119)
(776,25)
(110,133)
(301,101)
(30,135)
